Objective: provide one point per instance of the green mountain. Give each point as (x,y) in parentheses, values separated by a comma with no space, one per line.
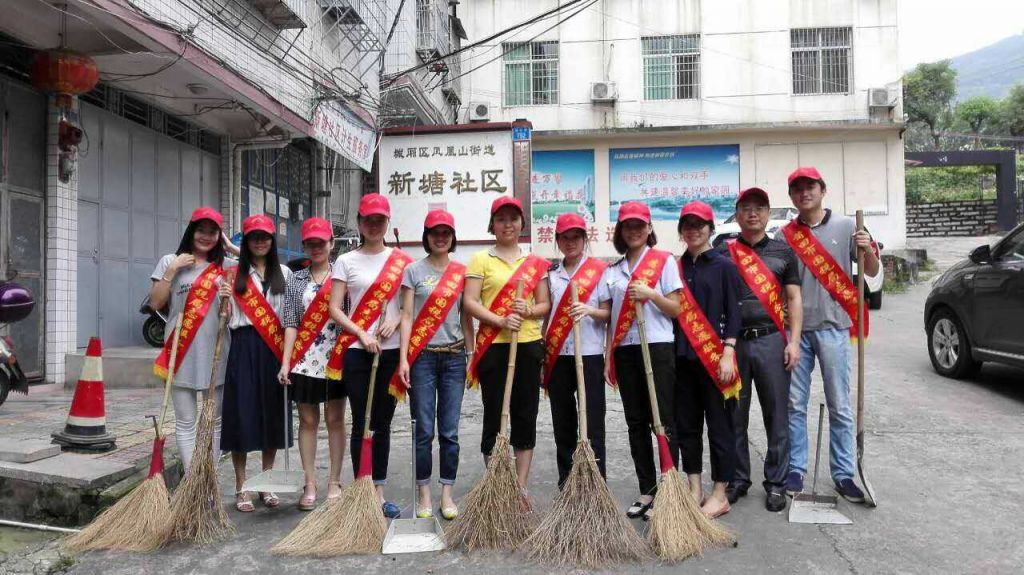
(992,70)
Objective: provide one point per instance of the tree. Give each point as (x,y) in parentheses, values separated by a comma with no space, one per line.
(978,113)
(928,91)
(1011,112)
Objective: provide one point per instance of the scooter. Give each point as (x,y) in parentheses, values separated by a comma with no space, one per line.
(16,303)
(153,328)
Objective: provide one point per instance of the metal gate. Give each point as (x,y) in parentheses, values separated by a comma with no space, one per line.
(136,189)
(22,213)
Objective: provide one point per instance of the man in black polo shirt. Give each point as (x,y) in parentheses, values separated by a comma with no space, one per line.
(766,355)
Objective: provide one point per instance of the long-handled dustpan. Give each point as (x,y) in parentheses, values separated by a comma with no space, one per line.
(815,507)
(278,480)
(416,535)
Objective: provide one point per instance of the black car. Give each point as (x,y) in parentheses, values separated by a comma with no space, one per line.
(975,311)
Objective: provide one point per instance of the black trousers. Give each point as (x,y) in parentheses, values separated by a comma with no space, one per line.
(762,366)
(525,399)
(632,379)
(564,419)
(356,377)
(698,400)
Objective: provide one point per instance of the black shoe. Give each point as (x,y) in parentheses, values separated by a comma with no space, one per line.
(775,502)
(794,483)
(849,490)
(638,509)
(734,492)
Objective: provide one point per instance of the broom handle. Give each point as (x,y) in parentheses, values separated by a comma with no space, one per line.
(860,329)
(373,379)
(222,322)
(581,389)
(170,374)
(506,402)
(648,370)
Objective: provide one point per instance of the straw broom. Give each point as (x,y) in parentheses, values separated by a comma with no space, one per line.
(492,516)
(351,523)
(678,527)
(197,515)
(585,527)
(137,521)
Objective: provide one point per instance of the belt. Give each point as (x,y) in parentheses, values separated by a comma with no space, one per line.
(457,347)
(756,332)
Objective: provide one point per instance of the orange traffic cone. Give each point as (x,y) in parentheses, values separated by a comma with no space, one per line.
(86,426)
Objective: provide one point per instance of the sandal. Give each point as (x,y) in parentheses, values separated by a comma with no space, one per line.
(638,508)
(269,499)
(308,500)
(646,516)
(243,502)
(341,489)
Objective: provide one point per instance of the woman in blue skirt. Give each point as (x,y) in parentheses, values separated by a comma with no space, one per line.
(254,417)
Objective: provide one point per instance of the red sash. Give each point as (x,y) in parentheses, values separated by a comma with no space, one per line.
(826,270)
(197,304)
(256,307)
(587,276)
(530,271)
(648,271)
(761,281)
(705,341)
(313,321)
(373,303)
(431,318)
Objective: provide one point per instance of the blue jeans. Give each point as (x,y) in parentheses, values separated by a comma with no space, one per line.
(438,381)
(832,348)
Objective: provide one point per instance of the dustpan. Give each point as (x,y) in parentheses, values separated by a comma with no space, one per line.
(278,480)
(416,535)
(815,507)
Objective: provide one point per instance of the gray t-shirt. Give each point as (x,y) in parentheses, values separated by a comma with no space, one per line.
(835,232)
(422,278)
(197,364)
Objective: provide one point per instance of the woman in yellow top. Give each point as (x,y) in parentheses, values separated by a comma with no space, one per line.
(489,296)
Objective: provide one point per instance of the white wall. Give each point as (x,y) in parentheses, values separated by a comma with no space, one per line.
(745,60)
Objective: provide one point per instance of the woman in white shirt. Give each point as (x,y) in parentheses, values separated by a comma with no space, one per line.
(254,414)
(361,275)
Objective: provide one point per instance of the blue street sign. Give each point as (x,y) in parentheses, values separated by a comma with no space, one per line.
(520,134)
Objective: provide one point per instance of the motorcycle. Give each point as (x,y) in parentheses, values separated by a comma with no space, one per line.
(16,303)
(153,327)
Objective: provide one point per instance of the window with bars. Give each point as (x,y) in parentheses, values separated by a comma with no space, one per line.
(822,60)
(531,73)
(671,67)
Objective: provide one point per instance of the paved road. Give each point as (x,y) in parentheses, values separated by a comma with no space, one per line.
(946,458)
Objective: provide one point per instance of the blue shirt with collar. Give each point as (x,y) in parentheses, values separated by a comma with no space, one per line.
(715,283)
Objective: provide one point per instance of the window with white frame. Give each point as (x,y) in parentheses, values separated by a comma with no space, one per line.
(531,73)
(822,60)
(671,67)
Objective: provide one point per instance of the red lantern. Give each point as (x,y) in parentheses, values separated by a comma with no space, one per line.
(64,73)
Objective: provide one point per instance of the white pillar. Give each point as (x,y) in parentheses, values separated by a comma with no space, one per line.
(61,254)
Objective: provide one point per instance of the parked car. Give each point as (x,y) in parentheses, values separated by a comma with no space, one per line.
(975,311)
(778,217)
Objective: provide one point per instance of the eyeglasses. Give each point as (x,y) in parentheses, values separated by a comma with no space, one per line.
(751,209)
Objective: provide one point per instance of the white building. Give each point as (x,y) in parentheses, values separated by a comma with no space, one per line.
(247,105)
(746,89)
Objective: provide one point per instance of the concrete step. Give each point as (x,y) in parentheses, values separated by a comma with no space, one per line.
(123,367)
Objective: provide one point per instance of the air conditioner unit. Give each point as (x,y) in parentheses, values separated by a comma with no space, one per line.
(603,92)
(881,98)
(479,112)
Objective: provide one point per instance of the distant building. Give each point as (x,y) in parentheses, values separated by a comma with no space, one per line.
(685,99)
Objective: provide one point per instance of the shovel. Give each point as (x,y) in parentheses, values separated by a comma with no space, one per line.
(416,535)
(276,480)
(814,507)
(869,491)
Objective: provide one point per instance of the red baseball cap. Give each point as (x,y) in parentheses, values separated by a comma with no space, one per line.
(439,218)
(258,223)
(502,201)
(374,205)
(317,229)
(699,209)
(809,172)
(570,221)
(752,194)
(205,213)
(635,211)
